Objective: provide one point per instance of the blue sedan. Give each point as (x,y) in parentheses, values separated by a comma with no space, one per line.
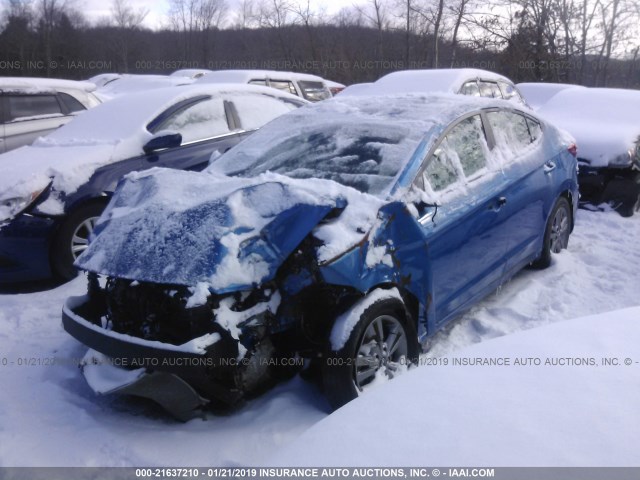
(52,192)
(347,233)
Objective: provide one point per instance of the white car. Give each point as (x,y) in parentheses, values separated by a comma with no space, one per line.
(309,87)
(33,107)
(465,81)
(537,94)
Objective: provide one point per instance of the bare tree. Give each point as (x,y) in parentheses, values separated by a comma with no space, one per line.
(127,20)
(197,20)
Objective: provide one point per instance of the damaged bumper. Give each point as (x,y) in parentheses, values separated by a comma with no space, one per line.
(181,378)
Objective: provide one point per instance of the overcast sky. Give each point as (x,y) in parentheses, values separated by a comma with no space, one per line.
(94,10)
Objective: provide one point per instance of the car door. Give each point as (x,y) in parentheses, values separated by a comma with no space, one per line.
(465,236)
(206,126)
(519,140)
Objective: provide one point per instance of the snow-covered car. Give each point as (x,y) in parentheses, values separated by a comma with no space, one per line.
(304,85)
(111,85)
(537,94)
(192,73)
(605,123)
(348,232)
(465,81)
(52,192)
(33,107)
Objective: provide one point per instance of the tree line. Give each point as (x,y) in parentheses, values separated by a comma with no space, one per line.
(591,42)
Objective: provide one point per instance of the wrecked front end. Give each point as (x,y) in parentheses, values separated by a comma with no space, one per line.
(147,342)
(204,303)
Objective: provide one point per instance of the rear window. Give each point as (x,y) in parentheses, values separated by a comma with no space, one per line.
(72,105)
(29,107)
(314,91)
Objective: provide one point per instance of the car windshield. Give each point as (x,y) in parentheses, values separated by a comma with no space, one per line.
(360,142)
(366,156)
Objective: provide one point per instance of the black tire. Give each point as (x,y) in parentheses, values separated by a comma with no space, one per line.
(347,372)
(72,238)
(556,234)
(632,205)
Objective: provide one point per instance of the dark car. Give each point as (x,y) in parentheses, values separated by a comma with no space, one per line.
(605,123)
(51,193)
(348,233)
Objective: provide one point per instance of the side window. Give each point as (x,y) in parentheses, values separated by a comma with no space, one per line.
(262,83)
(284,85)
(26,107)
(467,139)
(461,152)
(470,88)
(509,92)
(257,110)
(535,129)
(511,129)
(199,121)
(441,172)
(72,105)
(490,90)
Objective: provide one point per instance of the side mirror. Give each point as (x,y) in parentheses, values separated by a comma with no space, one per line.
(162,140)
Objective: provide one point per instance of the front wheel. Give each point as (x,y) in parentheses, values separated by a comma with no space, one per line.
(381,344)
(556,234)
(73,239)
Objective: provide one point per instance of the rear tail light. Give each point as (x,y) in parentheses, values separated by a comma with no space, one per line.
(573,149)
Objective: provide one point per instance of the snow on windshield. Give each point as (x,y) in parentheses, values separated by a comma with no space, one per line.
(358,142)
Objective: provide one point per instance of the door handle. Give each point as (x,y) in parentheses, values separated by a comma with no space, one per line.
(549,167)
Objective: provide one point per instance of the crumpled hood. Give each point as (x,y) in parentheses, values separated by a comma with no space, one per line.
(183,228)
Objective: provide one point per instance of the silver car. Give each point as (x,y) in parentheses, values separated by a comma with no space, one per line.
(33,107)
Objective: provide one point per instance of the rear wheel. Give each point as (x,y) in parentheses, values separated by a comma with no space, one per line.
(381,344)
(73,239)
(632,205)
(556,235)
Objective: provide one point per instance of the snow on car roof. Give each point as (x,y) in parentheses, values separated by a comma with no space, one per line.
(190,72)
(537,94)
(444,80)
(604,121)
(119,118)
(244,76)
(43,84)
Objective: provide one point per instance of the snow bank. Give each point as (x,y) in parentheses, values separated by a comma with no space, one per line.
(571,410)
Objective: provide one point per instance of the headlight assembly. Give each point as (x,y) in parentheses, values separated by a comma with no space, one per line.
(10,207)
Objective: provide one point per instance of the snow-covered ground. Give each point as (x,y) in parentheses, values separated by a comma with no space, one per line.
(50,417)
